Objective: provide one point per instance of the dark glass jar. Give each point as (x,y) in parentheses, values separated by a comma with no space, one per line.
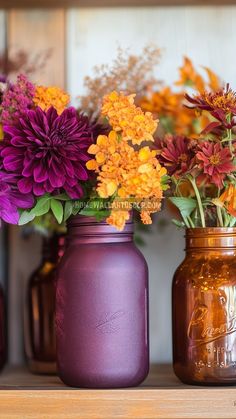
(40,341)
(204,308)
(2,329)
(102,307)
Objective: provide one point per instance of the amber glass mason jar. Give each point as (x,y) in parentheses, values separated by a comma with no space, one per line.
(204,308)
(40,341)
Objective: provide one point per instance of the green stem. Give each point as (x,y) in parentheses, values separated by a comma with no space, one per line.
(219,215)
(199,201)
(229,134)
(186,222)
(191,221)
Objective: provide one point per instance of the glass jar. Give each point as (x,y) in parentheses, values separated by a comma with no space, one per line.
(101,307)
(204,308)
(40,341)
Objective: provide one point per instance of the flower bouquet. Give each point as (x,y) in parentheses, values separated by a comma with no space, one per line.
(202,169)
(56,160)
(203,187)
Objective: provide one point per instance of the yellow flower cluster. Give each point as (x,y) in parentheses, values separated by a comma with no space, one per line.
(128,174)
(45,97)
(129,119)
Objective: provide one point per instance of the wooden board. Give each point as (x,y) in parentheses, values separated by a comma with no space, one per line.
(38,31)
(34,32)
(160,396)
(108,3)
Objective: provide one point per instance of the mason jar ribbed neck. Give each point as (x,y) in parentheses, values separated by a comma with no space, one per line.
(211,238)
(88,230)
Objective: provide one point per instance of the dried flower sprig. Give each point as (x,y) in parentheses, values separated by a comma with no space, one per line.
(127,72)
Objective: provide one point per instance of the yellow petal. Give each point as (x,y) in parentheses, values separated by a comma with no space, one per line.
(144,168)
(102,140)
(93,149)
(111,188)
(113,96)
(144,153)
(113,135)
(92,165)
(100,157)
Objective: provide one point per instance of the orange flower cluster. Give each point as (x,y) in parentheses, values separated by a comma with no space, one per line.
(45,97)
(126,174)
(190,77)
(124,116)
(175,118)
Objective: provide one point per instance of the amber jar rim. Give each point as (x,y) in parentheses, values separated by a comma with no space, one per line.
(207,238)
(210,230)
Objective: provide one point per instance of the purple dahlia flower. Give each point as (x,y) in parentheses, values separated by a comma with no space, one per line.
(48,151)
(11,199)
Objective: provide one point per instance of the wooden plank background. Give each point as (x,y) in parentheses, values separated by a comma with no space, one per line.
(32,31)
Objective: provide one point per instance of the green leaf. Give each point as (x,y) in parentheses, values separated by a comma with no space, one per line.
(101,215)
(68,210)
(57,209)
(62,197)
(25,218)
(178,223)
(90,212)
(232,222)
(185,205)
(42,206)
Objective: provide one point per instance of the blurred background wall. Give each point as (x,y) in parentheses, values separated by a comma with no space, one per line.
(80,39)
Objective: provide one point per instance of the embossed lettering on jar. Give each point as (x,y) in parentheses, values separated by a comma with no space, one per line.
(101,307)
(204,308)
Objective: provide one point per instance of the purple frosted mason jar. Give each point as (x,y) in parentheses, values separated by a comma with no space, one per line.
(102,307)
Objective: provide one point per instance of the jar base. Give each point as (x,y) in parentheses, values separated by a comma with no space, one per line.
(104,382)
(208,382)
(41,367)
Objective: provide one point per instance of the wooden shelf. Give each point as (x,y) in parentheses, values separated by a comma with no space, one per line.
(26,396)
(7,4)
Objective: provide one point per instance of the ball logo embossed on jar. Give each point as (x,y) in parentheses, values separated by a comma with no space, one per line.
(109,322)
(200,330)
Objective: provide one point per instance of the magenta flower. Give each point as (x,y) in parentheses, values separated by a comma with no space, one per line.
(215,161)
(11,200)
(16,100)
(175,154)
(48,151)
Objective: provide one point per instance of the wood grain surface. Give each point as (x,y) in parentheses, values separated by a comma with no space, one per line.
(37,31)
(26,396)
(33,31)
